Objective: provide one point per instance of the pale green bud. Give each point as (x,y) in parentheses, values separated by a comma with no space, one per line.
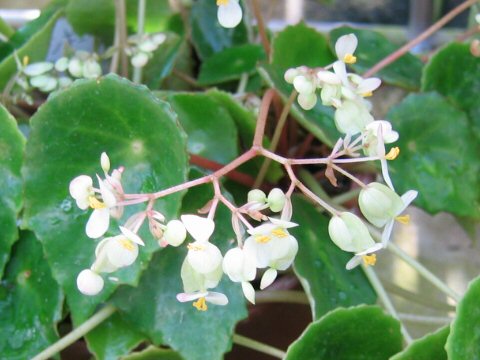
(257,195)
(175,233)
(290,75)
(307,101)
(349,233)
(276,200)
(379,204)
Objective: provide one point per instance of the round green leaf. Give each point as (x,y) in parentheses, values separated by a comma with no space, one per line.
(12,144)
(211,130)
(464,339)
(359,333)
(208,36)
(153,353)
(429,347)
(68,135)
(455,73)
(406,71)
(153,309)
(30,302)
(320,264)
(230,64)
(300,45)
(438,155)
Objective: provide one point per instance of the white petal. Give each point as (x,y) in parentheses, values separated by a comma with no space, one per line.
(248,291)
(408,197)
(198,227)
(139,60)
(282,223)
(216,298)
(184,297)
(175,233)
(372,249)
(80,187)
(268,278)
(89,282)
(346,44)
(385,173)
(107,195)
(341,71)
(230,15)
(98,223)
(105,162)
(129,234)
(387,232)
(38,68)
(204,257)
(354,262)
(121,252)
(262,229)
(368,85)
(329,77)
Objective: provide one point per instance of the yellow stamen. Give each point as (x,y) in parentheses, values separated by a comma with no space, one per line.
(393,153)
(95,203)
(195,247)
(279,232)
(262,238)
(403,219)
(25,60)
(349,59)
(369,260)
(127,244)
(200,304)
(222,2)
(367,94)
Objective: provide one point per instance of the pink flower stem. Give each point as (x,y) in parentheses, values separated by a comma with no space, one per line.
(350,176)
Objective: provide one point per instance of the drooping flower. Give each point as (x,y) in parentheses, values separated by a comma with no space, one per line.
(350,234)
(175,233)
(273,247)
(382,206)
(276,199)
(352,117)
(370,140)
(240,267)
(89,282)
(229,13)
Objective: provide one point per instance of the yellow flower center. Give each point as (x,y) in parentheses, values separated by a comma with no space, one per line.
(222,2)
(279,232)
(25,60)
(349,59)
(200,304)
(262,238)
(403,219)
(367,94)
(195,247)
(127,244)
(393,153)
(95,203)
(369,260)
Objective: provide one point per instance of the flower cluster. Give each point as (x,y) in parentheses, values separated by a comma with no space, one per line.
(229,13)
(347,93)
(141,47)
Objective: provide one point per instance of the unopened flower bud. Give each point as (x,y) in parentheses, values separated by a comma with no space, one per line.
(303,85)
(91,69)
(75,67)
(139,60)
(290,75)
(257,195)
(349,233)
(38,68)
(61,64)
(276,200)
(89,282)
(307,101)
(175,233)
(105,162)
(379,203)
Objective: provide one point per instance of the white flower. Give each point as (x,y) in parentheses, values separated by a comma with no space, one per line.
(239,265)
(175,233)
(345,47)
(140,59)
(81,189)
(99,220)
(89,282)
(116,252)
(45,83)
(307,101)
(75,67)
(272,246)
(229,13)
(198,227)
(91,69)
(291,74)
(61,64)
(382,206)
(196,287)
(38,68)
(203,256)
(352,117)
(371,136)
(350,234)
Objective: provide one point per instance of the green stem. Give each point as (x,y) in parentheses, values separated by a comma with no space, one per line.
(422,319)
(242,84)
(281,296)
(137,71)
(77,333)
(275,138)
(385,299)
(423,271)
(258,346)
(343,198)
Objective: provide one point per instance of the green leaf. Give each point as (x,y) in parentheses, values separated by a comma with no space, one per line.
(12,145)
(405,72)
(208,36)
(113,338)
(153,353)
(30,302)
(95,17)
(163,61)
(153,309)
(359,333)
(300,45)
(157,15)
(431,346)
(211,130)
(320,264)
(455,73)
(464,339)
(319,120)
(439,155)
(230,64)
(35,49)
(68,134)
